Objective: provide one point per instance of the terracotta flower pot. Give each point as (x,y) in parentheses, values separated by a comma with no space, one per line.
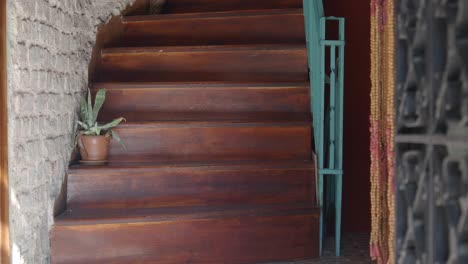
(94,148)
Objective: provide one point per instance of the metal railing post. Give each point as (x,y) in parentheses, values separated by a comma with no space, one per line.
(328,133)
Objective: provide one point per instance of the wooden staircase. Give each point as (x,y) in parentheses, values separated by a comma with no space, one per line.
(218,167)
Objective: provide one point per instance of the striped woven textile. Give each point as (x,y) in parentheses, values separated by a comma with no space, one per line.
(382,123)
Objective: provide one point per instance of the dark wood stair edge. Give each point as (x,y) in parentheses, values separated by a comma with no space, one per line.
(213,166)
(203,48)
(86,217)
(186,7)
(215,123)
(184,85)
(212,15)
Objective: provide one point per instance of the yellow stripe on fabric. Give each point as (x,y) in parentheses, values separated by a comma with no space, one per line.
(382,131)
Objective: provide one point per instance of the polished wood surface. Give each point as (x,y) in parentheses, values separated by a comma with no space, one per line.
(191,6)
(191,184)
(181,141)
(111,35)
(214,236)
(218,164)
(235,63)
(4,219)
(258,117)
(93,216)
(246,27)
(165,100)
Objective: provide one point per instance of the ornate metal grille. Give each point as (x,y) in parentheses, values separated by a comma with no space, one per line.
(432,132)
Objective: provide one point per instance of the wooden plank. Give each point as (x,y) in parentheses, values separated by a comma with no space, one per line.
(203,98)
(110,35)
(253,236)
(228,63)
(4,220)
(212,141)
(192,6)
(151,116)
(173,185)
(284,26)
(117,216)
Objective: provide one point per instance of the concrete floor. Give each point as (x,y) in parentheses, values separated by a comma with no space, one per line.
(355,250)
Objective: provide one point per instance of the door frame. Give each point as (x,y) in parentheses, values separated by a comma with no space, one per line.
(4,197)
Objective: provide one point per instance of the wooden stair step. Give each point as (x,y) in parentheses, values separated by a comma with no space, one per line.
(193,98)
(228,63)
(109,216)
(186,235)
(220,28)
(218,161)
(170,185)
(191,6)
(260,117)
(212,141)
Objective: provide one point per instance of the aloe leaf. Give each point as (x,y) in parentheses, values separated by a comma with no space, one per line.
(83,110)
(112,124)
(90,132)
(89,119)
(94,130)
(97,129)
(74,139)
(117,137)
(83,125)
(98,102)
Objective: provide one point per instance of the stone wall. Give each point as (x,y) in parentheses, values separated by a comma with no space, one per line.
(49,49)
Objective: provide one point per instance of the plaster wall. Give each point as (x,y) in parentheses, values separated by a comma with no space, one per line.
(49,47)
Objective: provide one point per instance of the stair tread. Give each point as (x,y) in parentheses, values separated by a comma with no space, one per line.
(152,119)
(215,119)
(162,166)
(193,6)
(220,85)
(202,140)
(142,215)
(212,15)
(150,185)
(203,48)
(230,63)
(216,28)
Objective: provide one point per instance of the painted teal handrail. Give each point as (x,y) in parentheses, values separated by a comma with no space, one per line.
(328,115)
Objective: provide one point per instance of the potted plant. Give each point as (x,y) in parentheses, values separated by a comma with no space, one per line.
(93,138)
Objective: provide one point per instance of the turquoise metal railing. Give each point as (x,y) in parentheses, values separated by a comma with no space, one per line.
(327,90)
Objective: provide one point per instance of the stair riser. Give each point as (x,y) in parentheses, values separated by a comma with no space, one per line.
(189,187)
(232,240)
(226,142)
(190,6)
(260,29)
(227,66)
(206,100)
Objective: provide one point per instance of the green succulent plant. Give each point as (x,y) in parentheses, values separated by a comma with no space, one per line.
(88,124)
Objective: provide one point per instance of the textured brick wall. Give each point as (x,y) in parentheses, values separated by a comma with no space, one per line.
(49,49)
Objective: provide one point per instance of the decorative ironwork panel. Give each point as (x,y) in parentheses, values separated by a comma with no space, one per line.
(432,132)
